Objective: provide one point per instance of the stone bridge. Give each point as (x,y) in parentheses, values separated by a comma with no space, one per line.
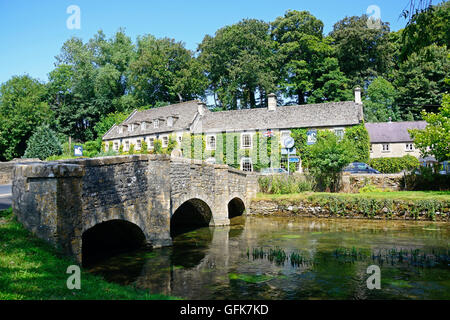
(88,206)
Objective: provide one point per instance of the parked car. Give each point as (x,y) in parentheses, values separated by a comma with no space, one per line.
(359,167)
(270,171)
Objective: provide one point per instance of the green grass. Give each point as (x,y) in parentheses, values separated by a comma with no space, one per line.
(31,269)
(393,195)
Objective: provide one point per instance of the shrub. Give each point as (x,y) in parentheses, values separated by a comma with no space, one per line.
(284,184)
(427,180)
(91,148)
(131,149)
(144,148)
(42,144)
(394,165)
(369,188)
(157,146)
(121,149)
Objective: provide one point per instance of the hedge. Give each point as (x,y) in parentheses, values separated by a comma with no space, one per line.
(394,165)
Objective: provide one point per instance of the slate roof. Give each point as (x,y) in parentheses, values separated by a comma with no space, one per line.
(183,113)
(331,114)
(393,131)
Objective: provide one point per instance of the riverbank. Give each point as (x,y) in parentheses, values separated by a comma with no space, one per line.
(409,205)
(33,270)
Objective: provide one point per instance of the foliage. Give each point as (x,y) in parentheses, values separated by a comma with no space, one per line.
(435,138)
(42,144)
(369,188)
(394,165)
(144,147)
(91,148)
(106,122)
(285,184)
(157,146)
(328,157)
(426,179)
(379,105)
(22,109)
(172,144)
(131,149)
(359,137)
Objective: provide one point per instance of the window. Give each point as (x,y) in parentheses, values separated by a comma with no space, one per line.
(116,146)
(165,141)
(180,138)
(127,145)
(169,121)
(386,148)
(156,123)
(371,147)
(143,126)
(339,133)
(246,164)
(138,144)
(409,147)
(246,141)
(151,142)
(211,142)
(120,129)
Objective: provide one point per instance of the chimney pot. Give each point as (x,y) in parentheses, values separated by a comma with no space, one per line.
(272,102)
(358,95)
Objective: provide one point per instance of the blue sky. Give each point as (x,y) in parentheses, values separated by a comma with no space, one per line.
(32,32)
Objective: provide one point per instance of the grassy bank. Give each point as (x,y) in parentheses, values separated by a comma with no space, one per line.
(393,195)
(32,269)
(409,205)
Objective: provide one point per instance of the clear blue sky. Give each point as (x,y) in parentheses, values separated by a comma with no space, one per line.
(32,32)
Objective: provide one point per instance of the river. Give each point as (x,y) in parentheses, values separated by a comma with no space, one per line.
(293,258)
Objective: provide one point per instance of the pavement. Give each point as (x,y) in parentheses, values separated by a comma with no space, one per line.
(5,196)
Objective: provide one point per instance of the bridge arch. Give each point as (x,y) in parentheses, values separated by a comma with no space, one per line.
(236,207)
(190,215)
(110,238)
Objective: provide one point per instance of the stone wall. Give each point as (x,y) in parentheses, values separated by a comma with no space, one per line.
(351,183)
(6,169)
(60,200)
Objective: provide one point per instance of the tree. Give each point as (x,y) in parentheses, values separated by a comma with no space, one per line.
(420,81)
(164,70)
(435,138)
(363,53)
(379,105)
(306,60)
(22,109)
(328,157)
(240,64)
(43,144)
(426,27)
(358,136)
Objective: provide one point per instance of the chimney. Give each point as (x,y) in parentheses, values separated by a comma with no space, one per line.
(358,95)
(201,108)
(272,102)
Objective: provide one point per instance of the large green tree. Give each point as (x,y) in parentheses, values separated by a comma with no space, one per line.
(420,80)
(364,52)
(22,109)
(240,64)
(379,105)
(306,59)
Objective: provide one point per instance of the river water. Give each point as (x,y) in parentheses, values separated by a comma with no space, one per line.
(294,258)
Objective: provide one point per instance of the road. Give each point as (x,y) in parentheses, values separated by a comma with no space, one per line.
(5,196)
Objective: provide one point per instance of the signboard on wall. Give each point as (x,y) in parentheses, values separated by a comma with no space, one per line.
(78,151)
(311,137)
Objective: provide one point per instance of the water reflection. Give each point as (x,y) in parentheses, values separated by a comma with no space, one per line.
(217,263)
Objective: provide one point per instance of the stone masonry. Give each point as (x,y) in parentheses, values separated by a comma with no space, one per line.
(59,201)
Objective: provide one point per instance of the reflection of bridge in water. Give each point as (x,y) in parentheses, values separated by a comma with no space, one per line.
(87,206)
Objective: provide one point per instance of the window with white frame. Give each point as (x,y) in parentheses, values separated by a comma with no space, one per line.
(371,147)
(151,142)
(386,147)
(138,144)
(143,126)
(339,133)
(180,139)
(120,129)
(169,121)
(156,124)
(127,145)
(116,146)
(210,142)
(165,141)
(246,164)
(409,147)
(129,128)
(246,140)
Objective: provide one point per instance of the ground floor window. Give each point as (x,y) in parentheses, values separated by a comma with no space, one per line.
(116,146)
(165,141)
(386,148)
(246,164)
(138,144)
(127,145)
(409,147)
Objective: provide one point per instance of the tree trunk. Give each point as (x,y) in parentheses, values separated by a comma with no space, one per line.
(301,96)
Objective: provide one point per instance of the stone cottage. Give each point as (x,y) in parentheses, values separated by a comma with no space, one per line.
(194,117)
(392,139)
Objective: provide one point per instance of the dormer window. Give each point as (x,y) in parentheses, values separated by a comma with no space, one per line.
(143,126)
(156,124)
(129,128)
(169,121)
(120,129)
